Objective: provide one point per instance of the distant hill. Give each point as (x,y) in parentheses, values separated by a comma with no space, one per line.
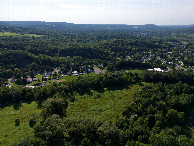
(71,26)
(23,22)
(65,25)
(190,30)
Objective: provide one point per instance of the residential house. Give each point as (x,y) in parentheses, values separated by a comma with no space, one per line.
(75,73)
(158,69)
(29,80)
(35,79)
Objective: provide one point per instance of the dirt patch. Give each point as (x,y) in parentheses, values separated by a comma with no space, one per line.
(60,80)
(97,70)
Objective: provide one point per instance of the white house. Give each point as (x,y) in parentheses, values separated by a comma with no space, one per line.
(158,69)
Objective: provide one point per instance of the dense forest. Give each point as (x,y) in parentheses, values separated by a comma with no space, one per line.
(96,84)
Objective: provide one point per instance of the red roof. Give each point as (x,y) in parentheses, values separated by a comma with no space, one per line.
(29,79)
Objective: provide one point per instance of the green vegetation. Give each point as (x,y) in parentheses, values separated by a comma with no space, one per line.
(11,134)
(7,34)
(72,77)
(142,115)
(105,106)
(135,71)
(116,105)
(18,34)
(100,91)
(80,50)
(61,78)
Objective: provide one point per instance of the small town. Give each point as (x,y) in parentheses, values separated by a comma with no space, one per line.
(96,73)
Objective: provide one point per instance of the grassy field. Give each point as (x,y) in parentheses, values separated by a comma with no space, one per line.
(69,78)
(64,78)
(8,34)
(106,105)
(11,134)
(18,34)
(135,71)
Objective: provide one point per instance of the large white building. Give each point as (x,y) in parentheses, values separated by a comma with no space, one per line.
(158,69)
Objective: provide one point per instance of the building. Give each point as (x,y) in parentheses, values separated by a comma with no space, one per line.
(29,80)
(35,79)
(158,69)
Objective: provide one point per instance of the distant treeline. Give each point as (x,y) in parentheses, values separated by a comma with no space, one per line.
(173,76)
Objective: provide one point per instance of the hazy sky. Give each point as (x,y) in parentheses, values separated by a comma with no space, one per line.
(160,12)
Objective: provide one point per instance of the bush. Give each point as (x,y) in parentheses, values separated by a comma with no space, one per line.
(17,122)
(32,122)
(51,131)
(54,106)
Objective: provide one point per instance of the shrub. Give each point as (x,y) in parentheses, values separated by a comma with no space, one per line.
(17,122)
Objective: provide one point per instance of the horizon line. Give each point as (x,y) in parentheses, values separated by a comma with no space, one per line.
(94,23)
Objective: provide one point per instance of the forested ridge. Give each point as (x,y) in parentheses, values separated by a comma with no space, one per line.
(122,103)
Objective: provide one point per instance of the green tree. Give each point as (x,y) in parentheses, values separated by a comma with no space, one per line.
(51,130)
(174,118)
(32,74)
(54,106)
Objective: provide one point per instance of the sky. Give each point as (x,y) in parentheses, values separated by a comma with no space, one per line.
(131,12)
